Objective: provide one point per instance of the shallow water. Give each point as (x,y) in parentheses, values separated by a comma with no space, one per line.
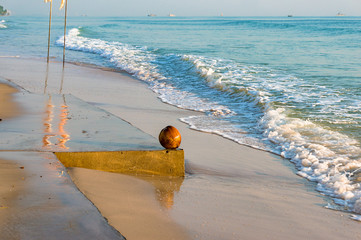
(285,85)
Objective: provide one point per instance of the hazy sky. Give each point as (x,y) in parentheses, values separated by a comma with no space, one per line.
(190,7)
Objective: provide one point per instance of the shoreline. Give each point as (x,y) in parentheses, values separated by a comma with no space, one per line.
(233,191)
(109,69)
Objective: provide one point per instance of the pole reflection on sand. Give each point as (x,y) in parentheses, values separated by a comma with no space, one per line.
(64,136)
(47,123)
(60,133)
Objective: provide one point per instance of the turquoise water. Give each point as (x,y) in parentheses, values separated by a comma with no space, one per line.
(286,85)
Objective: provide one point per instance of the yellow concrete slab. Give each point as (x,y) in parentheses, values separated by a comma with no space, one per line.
(148,162)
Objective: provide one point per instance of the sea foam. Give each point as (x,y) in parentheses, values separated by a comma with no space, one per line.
(2,24)
(139,63)
(330,158)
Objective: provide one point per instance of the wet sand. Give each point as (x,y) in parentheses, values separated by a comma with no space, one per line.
(11,175)
(230,191)
(137,207)
(11,185)
(8,107)
(129,204)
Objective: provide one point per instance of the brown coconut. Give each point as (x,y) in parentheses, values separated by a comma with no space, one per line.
(170,137)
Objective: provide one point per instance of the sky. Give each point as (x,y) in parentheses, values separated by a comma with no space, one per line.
(188,7)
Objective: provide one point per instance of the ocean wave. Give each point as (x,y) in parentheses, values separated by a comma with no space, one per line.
(266,110)
(327,157)
(330,158)
(140,63)
(2,24)
(225,75)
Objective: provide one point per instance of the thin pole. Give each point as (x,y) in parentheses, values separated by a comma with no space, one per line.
(66,10)
(51,7)
(46,78)
(62,82)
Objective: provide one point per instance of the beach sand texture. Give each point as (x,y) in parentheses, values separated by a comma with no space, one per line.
(8,107)
(230,191)
(130,204)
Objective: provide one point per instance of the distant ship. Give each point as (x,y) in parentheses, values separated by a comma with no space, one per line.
(171,15)
(339,14)
(151,15)
(290,15)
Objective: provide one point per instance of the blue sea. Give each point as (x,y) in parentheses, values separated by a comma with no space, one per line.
(288,85)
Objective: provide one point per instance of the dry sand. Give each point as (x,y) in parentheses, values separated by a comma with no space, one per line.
(230,191)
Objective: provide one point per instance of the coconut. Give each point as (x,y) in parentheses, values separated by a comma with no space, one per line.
(170,137)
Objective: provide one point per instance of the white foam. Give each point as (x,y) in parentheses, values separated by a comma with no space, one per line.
(138,62)
(225,76)
(356,217)
(321,155)
(2,24)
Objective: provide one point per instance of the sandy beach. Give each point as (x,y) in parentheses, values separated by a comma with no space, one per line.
(129,203)
(10,187)
(230,191)
(11,174)
(8,107)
